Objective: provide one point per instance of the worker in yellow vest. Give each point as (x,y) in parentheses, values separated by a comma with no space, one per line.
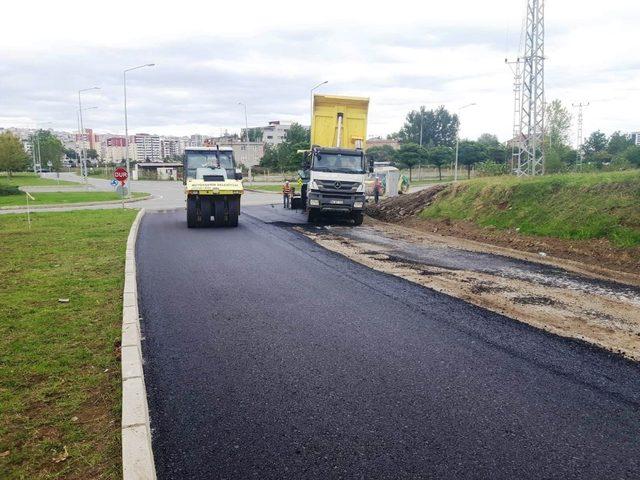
(286,194)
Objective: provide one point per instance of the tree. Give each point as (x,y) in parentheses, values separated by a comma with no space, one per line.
(71,153)
(13,158)
(618,143)
(50,149)
(439,127)
(597,142)
(632,154)
(439,156)
(558,121)
(470,153)
(297,134)
(409,155)
(383,153)
(488,140)
(255,134)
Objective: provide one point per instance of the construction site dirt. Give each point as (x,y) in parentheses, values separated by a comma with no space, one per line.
(564,297)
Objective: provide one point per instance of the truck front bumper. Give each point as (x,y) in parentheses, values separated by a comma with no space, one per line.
(331,202)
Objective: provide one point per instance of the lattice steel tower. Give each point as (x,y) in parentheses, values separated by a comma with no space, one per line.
(531,149)
(580,141)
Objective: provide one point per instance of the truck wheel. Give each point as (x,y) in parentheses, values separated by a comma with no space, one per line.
(205,211)
(234,211)
(218,212)
(358,218)
(192,213)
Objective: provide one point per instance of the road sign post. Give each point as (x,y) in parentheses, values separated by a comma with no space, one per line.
(121,175)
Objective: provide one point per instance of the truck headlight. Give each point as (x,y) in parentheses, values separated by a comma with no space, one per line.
(314,202)
(357,204)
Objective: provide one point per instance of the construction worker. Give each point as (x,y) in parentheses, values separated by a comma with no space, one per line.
(377,188)
(286,194)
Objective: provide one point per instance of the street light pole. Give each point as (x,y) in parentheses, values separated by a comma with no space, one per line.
(455,174)
(246,122)
(83,159)
(311,103)
(126,120)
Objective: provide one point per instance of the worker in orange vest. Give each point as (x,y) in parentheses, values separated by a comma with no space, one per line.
(286,194)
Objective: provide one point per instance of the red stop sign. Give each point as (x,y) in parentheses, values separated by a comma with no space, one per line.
(121,174)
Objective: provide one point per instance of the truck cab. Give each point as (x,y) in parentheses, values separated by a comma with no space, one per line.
(336,167)
(336,182)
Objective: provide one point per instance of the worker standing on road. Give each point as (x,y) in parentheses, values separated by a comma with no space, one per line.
(286,194)
(376,190)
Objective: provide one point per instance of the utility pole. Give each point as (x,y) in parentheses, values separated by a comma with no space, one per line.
(83,158)
(530,155)
(246,122)
(516,139)
(579,141)
(311,104)
(126,119)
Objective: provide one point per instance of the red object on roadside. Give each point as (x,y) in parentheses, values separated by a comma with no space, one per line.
(121,175)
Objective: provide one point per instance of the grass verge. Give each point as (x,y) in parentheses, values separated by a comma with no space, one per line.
(52,198)
(24,179)
(60,383)
(569,206)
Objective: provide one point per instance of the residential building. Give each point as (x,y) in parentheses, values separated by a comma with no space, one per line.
(275,133)
(247,154)
(171,147)
(635,137)
(147,147)
(113,148)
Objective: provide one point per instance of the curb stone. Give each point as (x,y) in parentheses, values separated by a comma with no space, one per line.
(137,454)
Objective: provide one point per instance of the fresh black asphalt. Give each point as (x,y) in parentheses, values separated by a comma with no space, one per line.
(269,357)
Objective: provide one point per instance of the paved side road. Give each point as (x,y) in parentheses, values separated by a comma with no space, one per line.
(267,356)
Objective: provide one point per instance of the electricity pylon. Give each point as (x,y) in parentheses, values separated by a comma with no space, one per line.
(579,141)
(530,156)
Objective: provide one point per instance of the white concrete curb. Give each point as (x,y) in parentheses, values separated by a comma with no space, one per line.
(137,455)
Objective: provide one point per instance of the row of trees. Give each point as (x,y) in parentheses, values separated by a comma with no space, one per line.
(47,148)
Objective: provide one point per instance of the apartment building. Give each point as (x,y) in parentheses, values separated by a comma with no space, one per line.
(275,133)
(171,147)
(247,154)
(147,147)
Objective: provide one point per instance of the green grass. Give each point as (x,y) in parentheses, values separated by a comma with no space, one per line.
(24,179)
(51,198)
(571,206)
(267,188)
(60,383)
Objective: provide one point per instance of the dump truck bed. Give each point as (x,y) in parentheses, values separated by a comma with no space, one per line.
(326,113)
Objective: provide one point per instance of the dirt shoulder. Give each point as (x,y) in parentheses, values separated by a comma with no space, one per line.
(585,304)
(598,256)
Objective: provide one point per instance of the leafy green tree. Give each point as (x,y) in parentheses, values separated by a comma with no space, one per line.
(409,155)
(632,154)
(50,149)
(597,142)
(92,153)
(618,143)
(558,119)
(383,153)
(439,156)
(71,153)
(488,140)
(255,134)
(470,153)
(439,127)
(297,134)
(13,158)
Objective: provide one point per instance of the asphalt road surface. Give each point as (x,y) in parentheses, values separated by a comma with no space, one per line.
(267,356)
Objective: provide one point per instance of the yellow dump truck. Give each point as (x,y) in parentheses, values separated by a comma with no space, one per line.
(213,187)
(335,168)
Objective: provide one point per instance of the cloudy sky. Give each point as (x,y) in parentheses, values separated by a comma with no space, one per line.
(401,54)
